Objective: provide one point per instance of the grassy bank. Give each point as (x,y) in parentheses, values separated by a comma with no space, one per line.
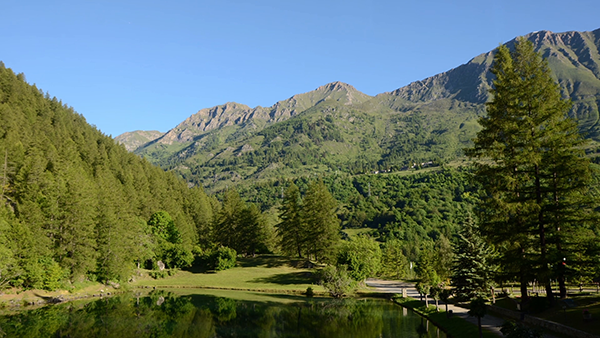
(265,273)
(14,297)
(454,326)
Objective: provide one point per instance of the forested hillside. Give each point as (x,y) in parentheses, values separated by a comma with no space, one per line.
(416,209)
(74,204)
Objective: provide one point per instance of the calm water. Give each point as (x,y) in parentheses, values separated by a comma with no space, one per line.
(163,314)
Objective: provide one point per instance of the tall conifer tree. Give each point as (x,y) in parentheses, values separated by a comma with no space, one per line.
(291,231)
(322,224)
(532,167)
(471,272)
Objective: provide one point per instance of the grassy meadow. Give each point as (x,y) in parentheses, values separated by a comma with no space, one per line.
(264,273)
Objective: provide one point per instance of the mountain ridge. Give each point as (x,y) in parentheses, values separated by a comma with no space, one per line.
(232,113)
(337,127)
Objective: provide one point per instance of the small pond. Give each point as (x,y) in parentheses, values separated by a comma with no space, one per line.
(207,314)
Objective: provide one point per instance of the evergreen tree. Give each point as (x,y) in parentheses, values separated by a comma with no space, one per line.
(115,233)
(291,230)
(534,170)
(228,221)
(393,262)
(471,272)
(252,230)
(76,239)
(8,263)
(322,224)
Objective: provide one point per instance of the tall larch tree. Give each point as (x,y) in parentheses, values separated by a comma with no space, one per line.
(228,220)
(531,167)
(291,231)
(322,224)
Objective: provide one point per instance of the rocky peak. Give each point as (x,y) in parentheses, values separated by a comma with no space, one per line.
(471,81)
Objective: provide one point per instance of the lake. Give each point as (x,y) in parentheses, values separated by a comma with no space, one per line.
(207,314)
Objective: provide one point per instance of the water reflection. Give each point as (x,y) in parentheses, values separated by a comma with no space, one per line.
(162,314)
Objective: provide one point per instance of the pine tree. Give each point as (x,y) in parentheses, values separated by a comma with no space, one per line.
(228,221)
(472,271)
(394,263)
(322,224)
(76,240)
(115,233)
(533,168)
(252,230)
(291,230)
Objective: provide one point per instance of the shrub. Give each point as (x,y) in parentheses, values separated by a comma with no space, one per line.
(223,258)
(310,292)
(513,330)
(337,281)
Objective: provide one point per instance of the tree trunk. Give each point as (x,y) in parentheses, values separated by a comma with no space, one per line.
(523,281)
(562,287)
(542,229)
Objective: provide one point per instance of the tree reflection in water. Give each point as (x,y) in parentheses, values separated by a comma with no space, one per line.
(162,314)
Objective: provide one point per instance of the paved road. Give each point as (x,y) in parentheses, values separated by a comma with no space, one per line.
(488,322)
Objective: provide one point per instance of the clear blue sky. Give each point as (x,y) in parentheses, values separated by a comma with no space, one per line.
(128,65)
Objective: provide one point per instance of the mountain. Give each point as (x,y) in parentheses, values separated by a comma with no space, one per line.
(336,127)
(574,58)
(133,139)
(235,114)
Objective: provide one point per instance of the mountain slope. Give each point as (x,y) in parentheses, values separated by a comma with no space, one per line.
(133,139)
(336,127)
(235,114)
(73,203)
(574,58)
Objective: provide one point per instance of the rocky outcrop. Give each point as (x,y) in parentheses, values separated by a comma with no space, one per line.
(134,139)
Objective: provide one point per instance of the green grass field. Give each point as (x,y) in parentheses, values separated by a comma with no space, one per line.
(263,273)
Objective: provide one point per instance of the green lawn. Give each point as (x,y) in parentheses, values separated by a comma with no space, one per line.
(353,232)
(264,273)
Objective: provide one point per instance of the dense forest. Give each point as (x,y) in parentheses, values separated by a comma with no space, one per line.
(415,208)
(75,205)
